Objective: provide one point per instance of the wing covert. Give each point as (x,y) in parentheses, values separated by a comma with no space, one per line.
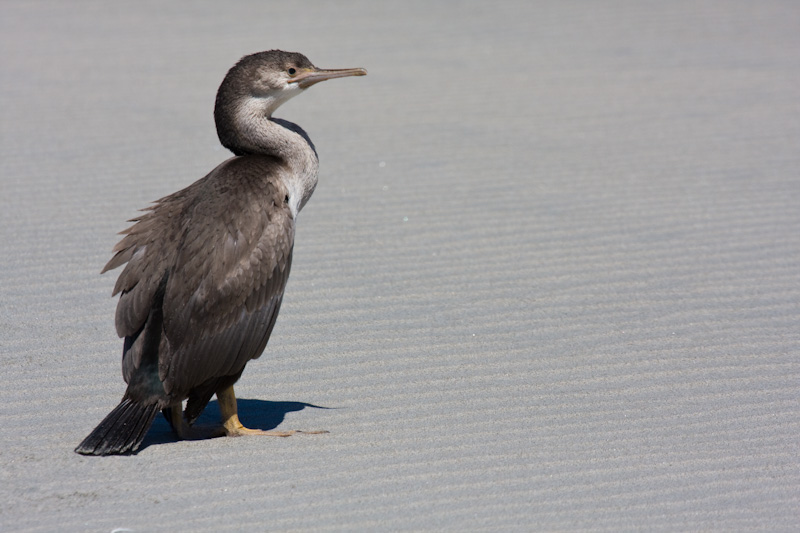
(224,293)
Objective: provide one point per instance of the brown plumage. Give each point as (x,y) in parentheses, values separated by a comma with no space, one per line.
(206,267)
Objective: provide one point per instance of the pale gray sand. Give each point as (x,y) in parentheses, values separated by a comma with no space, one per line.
(549,278)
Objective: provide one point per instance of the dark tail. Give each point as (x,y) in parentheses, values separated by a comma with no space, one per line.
(122,431)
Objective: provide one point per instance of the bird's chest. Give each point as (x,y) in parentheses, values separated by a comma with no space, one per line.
(301,182)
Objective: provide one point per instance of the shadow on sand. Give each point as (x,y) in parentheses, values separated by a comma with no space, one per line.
(256,414)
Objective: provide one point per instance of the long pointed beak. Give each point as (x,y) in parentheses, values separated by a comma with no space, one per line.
(310,77)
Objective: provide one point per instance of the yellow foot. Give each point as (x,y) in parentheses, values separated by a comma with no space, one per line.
(233,428)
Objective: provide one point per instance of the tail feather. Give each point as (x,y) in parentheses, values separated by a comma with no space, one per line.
(122,431)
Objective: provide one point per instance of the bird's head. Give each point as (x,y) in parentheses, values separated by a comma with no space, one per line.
(259,83)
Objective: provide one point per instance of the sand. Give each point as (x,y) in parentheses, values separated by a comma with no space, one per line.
(549,279)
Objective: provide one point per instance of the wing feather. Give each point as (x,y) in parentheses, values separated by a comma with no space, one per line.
(225,245)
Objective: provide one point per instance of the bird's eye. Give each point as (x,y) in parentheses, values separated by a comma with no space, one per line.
(292,71)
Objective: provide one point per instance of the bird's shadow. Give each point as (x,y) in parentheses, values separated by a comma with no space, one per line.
(256,414)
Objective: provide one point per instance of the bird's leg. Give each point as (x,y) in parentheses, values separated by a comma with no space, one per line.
(230,418)
(187,432)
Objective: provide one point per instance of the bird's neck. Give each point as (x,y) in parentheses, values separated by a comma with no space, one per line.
(293,145)
(255,134)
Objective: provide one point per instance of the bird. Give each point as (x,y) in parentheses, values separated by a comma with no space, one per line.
(206,267)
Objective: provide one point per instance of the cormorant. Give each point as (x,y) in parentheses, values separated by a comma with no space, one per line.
(207,265)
